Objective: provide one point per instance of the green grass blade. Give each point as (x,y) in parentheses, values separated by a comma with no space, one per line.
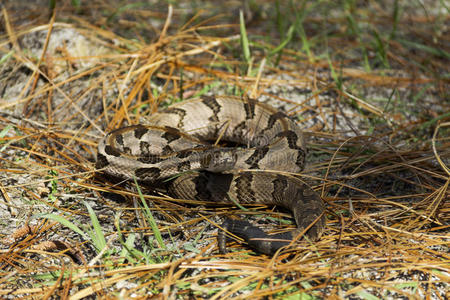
(285,41)
(63,221)
(244,38)
(150,218)
(380,48)
(6,56)
(98,238)
(424,48)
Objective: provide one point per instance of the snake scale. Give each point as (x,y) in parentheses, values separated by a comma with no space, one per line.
(186,141)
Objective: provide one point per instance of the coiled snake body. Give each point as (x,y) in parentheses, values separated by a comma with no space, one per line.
(183,140)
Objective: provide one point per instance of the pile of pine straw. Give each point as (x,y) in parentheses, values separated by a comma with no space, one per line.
(383,174)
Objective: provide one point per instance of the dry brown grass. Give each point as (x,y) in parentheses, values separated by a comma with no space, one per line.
(381,167)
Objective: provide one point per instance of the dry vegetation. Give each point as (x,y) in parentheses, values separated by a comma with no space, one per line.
(368,83)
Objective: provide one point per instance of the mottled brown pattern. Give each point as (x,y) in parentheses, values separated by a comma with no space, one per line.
(269,139)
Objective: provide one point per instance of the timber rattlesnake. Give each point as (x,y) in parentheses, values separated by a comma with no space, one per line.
(178,141)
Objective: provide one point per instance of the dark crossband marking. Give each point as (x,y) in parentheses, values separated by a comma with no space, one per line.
(212,103)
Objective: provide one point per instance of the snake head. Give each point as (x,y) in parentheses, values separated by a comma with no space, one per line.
(219,160)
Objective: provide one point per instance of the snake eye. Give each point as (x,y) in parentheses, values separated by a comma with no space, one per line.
(217,157)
